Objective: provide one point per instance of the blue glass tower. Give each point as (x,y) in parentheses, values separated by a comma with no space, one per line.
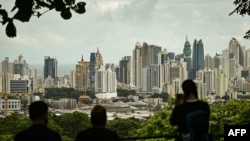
(197,57)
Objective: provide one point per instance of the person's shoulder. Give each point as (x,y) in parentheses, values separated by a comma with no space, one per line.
(52,132)
(21,133)
(203,103)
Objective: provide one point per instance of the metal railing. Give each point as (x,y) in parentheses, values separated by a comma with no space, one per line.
(167,137)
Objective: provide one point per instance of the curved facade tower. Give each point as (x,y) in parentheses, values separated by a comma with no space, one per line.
(236,49)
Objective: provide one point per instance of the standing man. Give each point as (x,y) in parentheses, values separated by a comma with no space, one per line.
(191,115)
(97,132)
(38,131)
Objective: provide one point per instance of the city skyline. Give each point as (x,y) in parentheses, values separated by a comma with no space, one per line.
(115,27)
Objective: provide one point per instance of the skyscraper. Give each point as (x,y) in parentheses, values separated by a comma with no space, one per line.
(82,72)
(197,57)
(187,56)
(20,66)
(96,62)
(6,65)
(50,67)
(236,49)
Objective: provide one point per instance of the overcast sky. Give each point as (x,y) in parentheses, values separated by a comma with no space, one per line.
(116,25)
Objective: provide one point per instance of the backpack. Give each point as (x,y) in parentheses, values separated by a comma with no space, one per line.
(197,125)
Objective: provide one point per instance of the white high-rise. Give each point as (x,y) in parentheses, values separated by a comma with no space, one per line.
(105,83)
(137,65)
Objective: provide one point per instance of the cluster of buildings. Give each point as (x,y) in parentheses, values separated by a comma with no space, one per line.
(150,69)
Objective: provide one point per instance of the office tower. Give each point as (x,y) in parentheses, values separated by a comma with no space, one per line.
(5,82)
(170,56)
(236,49)
(99,61)
(82,75)
(137,65)
(154,78)
(221,82)
(197,57)
(201,89)
(6,66)
(209,80)
(149,54)
(105,83)
(217,61)
(162,56)
(92,69)
(225,57)
(247,58)
(20,66)
(50,67)
(145,79)
(95,63)
(73,78)
(173,72)
(187,56)
(111,66)
(208,62)
(125,70)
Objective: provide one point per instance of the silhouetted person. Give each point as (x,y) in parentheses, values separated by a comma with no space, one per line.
(188,104)
(38,131)
(97,132)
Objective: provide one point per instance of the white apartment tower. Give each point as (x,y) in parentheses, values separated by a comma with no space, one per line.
(105,83)
(137,65)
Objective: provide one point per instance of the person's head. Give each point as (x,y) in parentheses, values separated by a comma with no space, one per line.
(38,112)
(98,116)
(189,88)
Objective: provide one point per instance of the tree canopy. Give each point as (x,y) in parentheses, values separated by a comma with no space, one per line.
(29,8)
(242,8)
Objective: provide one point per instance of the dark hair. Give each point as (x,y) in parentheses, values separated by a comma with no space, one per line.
(189,87)
(98,116)
(37,109)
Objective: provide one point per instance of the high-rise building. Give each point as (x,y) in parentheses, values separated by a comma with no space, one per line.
(217,60)
(124,70)
(6,66)
(236,49)
(208,62)
(247,58)
(197,57)
(50,67)
(105,83)
(96,62)
(20,66)
(137,65)
(149,54)
(5,79)
(187,56)
(82,75)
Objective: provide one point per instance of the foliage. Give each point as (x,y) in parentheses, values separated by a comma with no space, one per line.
(158,125)
(164,96)
(72,123)
(242,8)
(27,8)
(86,101)
(124,127)
(13,124)
(57,93)
(68,125)
(125,92)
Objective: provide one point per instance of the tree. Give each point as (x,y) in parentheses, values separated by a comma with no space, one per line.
(72,123)
(242,8)
(158,125)
(27,8)
(124,127)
